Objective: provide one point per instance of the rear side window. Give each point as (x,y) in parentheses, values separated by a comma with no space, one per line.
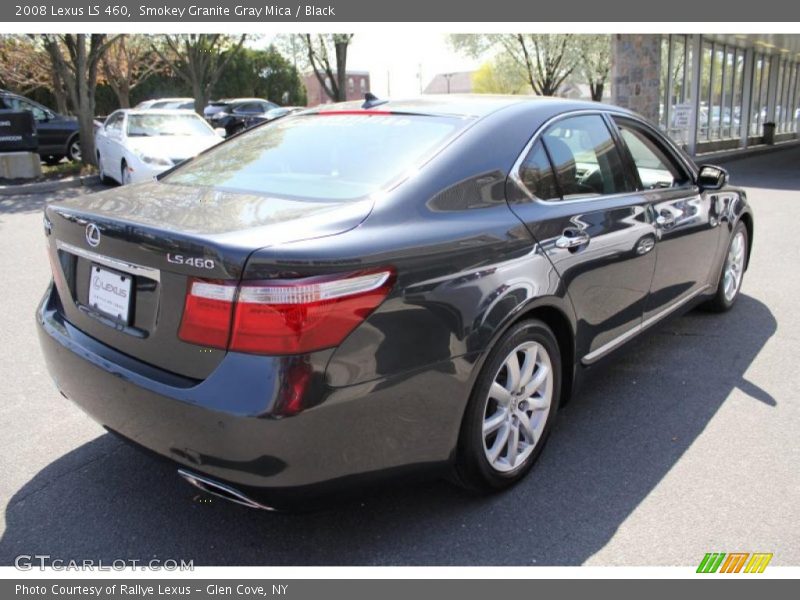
(585,158)
(537,175)
(330,157)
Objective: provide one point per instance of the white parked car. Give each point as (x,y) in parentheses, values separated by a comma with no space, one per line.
(169,103)
(136,145)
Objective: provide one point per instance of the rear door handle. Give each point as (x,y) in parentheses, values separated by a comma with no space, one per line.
(572,238)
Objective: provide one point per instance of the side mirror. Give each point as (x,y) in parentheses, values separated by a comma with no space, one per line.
(712,178)
(220,131)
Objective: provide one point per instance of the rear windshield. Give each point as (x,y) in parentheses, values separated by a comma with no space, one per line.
(330,157)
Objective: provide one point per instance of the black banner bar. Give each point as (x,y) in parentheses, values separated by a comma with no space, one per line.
(452,11)
(418,589)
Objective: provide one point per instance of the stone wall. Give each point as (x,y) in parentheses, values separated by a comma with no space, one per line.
(635,73)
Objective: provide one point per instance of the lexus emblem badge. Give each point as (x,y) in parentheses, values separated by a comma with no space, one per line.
(93,235)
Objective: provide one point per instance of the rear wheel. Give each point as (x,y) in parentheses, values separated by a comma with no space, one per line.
(511,409)
(74,149)
(730,280)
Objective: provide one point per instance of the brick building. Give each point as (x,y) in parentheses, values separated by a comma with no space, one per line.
(357,85)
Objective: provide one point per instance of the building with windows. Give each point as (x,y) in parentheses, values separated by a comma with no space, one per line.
(711,92)
(357,85)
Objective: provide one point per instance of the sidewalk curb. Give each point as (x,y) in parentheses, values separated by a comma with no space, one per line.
(48,186)
(738,154)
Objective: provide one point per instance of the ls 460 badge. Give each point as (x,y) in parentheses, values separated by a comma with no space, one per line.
(191,261)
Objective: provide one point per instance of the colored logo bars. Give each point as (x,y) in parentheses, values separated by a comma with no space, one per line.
(733,562)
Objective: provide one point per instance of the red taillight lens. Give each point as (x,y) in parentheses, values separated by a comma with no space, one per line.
(207,313)
(291,316)
(297,316)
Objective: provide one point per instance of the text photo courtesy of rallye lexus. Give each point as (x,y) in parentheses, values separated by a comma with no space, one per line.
(367,290)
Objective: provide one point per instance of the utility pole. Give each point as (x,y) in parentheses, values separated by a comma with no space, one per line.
(447,77)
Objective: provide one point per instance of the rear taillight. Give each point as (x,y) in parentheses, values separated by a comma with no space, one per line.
(207,313)
(291,316)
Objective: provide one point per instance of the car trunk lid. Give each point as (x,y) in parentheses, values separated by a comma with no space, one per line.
(122,258)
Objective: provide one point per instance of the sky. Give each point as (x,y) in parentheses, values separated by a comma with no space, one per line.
(395,61)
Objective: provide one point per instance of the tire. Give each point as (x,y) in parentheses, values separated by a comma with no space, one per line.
(52,159)
(74,149)
(498,413)
(125,175)
(732,273)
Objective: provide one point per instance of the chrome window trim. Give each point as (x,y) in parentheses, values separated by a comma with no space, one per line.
(515,176)
(113,263)
(645,324)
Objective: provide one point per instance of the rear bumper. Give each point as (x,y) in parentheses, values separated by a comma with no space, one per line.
(223,426)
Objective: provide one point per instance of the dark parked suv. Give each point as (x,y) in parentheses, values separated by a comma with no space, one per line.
(232,114)
(367,290)
(58,134)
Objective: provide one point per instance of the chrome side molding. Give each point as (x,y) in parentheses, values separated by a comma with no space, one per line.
(619,340)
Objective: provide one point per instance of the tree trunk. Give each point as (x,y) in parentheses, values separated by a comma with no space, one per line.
(124,95)
(341,70)
(597,91)
(200,96)
(59,93)
(86,121)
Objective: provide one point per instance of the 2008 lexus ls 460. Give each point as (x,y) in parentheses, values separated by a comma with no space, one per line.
(368,289)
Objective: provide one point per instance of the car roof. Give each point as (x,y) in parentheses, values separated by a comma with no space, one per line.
(237,100)
(157,111)
(470,105)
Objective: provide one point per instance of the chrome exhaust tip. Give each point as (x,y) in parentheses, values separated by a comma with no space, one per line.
(221,490)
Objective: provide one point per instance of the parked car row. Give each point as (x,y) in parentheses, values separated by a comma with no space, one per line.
(59,135)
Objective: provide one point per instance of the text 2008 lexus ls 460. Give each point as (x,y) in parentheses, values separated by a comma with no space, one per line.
(369,289)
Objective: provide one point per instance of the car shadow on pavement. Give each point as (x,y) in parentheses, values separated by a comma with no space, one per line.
(611,447)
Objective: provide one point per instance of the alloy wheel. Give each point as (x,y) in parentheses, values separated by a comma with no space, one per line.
(517,407)
(734,267)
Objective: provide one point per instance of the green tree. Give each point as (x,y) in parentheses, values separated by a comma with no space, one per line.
(128,62)
(199,59)
(547,59)
(263,74)
(499,76)
(26,67)
(594,65)
(76,59)
(325,54)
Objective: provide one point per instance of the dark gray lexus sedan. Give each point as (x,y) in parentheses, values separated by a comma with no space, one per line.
(372,289)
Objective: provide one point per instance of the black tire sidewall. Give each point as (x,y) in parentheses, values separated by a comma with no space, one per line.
(473,469)
(720,301)
(69,148)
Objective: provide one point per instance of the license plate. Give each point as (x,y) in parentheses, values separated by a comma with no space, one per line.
(110,293)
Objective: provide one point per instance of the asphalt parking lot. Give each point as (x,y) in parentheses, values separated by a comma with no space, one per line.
(687,444)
